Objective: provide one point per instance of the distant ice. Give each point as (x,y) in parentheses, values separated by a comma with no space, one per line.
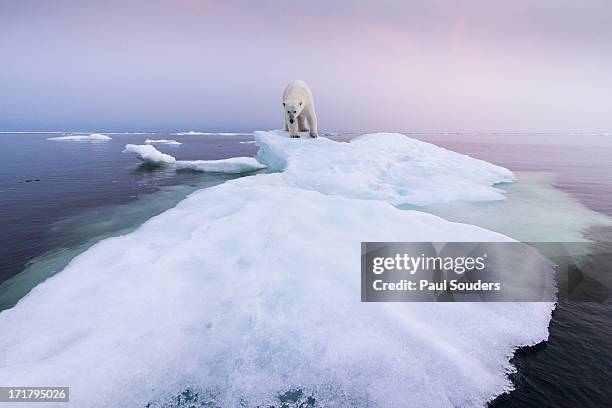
(192,132)
(382,166)
(32,133)
(233,165)
(149,154)
(162,141)
(247,142)
(130,133)
(94,137)
(251,288)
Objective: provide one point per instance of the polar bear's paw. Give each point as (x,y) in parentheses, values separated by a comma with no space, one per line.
(314,135)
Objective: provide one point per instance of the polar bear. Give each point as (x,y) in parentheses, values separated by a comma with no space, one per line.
(299,106)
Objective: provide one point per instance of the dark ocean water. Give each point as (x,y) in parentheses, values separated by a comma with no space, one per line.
(44,183)
(57,198)
(574,367)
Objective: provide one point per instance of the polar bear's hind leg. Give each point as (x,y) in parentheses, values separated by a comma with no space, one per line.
(312,123)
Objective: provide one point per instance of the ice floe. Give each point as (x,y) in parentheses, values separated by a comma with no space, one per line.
(382,166)
(94,137)
(162,141)
(232,165)
(250,289)
(192,132)
(149,154)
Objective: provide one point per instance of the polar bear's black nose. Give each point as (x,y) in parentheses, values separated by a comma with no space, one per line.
(291,121)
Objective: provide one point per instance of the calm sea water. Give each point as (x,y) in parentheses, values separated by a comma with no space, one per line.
(58,198)
(43,184)
(574,367)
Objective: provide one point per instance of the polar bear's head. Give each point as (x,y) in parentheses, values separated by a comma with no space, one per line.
(293,108)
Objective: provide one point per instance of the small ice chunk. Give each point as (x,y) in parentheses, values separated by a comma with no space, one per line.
(162,141)
(94,137)
(233,165)
(149,154)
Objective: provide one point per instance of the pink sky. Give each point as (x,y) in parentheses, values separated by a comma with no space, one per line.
(373,65)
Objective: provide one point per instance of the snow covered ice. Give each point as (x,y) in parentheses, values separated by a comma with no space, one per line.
(251,288)
(191,132)
(149,154)
(232,165)
(382,166)
(94,137)
(162,141)
(194,133)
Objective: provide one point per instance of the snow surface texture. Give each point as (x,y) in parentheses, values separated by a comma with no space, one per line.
(249,289)
(149,154)
(382,166)
(233,165)
(94,137)
(162,141)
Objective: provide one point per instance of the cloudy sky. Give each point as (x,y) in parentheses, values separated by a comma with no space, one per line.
(386,65)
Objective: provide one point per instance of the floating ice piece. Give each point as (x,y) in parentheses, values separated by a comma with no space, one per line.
(149,154)
(233,165)
(247,142)
(191,132)
(382,166)
(162,141)
(94,137)
(130,133)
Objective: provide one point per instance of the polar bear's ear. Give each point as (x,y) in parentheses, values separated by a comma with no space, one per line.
(283,103)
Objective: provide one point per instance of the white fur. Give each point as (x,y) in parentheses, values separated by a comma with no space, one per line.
(298,106)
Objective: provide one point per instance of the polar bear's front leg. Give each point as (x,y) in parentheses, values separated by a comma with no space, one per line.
(293,129)
(301,122)
(312,123)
